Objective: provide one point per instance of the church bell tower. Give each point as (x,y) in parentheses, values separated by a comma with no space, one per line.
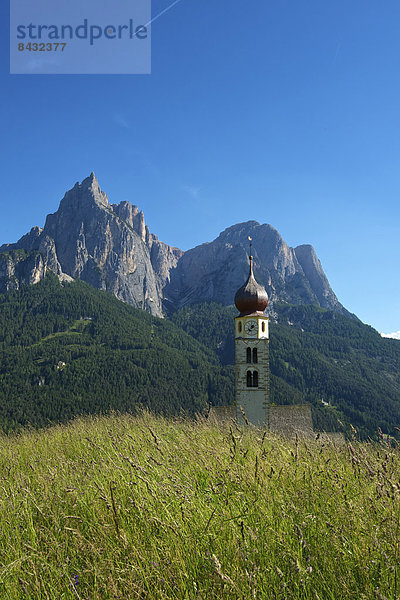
(252,352)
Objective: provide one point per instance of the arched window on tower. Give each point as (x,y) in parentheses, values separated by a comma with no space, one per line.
(255,357)
(240,327)
(249,379)
(263,326)
(248,355)
(252,379)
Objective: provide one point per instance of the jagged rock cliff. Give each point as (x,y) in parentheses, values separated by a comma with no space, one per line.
(163,257)
(110,247)
(17,267)
(29,262)
(215,270)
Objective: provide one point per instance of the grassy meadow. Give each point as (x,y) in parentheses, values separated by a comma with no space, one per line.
(143,507)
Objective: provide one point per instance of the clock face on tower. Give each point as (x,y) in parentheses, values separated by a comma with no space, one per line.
(251,328)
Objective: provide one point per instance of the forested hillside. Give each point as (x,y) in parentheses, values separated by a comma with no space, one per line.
(68,350)
(349,373)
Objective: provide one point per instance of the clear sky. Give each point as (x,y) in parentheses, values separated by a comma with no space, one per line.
(281,111)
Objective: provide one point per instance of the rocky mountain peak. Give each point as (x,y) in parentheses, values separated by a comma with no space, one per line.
(239,229)
(111,247)
(85,194)
(106,245)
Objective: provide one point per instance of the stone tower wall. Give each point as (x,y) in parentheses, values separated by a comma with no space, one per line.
(253,400)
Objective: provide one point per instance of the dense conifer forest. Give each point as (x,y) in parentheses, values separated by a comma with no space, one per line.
(67,350)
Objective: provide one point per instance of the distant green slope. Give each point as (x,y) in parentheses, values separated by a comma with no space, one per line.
(317,355)
(115,356)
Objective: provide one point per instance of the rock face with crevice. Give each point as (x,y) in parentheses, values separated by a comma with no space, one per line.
(111,247)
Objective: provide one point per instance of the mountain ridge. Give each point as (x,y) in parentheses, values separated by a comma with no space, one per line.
(110,246)
(294,275)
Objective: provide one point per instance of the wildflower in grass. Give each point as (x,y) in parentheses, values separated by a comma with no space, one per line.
(74,582)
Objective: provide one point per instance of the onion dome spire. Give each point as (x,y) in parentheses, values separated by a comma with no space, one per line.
(252,297)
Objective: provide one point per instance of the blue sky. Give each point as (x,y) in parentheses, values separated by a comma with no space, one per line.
(281,111)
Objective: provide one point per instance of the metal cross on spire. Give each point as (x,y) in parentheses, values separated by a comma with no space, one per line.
(250,243)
